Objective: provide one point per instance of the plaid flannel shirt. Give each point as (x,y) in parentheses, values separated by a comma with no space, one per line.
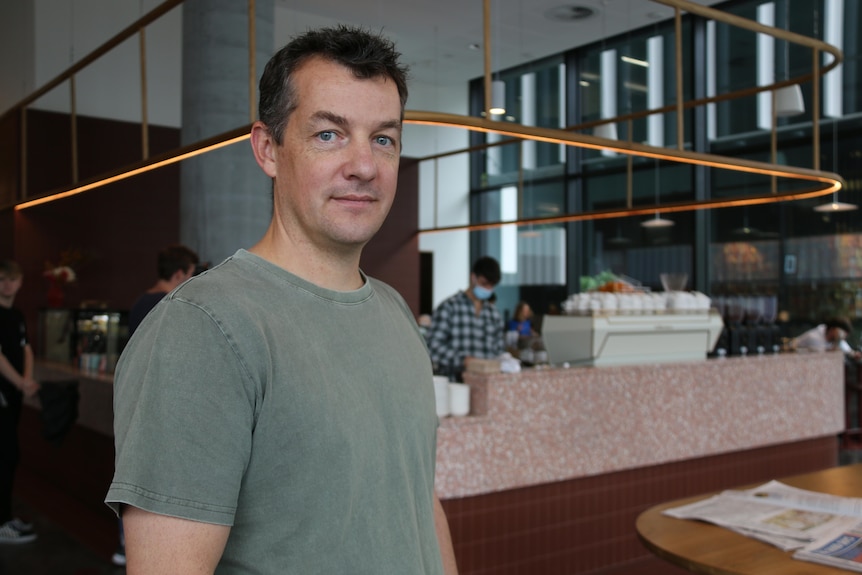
(457,332)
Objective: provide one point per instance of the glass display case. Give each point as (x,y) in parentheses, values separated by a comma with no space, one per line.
(91,339)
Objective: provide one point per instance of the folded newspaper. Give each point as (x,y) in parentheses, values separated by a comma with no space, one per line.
(820,528)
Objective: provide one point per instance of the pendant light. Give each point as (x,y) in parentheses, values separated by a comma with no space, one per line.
(657,221)
(498,86)
(619,239)
(835,205)
(788,100)
(606,131)
(498,97)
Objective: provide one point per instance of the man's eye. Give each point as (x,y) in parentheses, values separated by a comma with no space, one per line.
(326,136)
(384,140)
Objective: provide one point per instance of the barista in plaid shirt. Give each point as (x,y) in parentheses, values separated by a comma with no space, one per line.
(467,325)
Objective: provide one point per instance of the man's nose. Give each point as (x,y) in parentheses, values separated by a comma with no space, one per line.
(362,162)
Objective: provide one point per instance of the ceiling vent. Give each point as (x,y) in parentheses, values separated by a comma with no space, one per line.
(569,13)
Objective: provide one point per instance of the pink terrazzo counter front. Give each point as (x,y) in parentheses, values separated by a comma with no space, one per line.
(548,425)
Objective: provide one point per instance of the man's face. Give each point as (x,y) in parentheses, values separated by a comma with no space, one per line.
(481,281)
(337,168)
(9,285)
(835,334)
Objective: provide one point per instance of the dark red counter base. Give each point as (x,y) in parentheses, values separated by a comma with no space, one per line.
(587,525)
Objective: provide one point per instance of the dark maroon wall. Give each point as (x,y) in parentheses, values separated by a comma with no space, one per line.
(10,158)
(393,254)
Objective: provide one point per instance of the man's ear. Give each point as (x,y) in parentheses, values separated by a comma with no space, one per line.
(263,146)
(177,278)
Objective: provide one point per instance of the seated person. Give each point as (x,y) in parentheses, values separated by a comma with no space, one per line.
(830,335)
(522,320)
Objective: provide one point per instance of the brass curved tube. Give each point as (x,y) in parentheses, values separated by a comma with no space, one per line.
(829,182)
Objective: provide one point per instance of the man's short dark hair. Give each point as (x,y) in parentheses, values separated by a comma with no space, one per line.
(841,323)
(488,268)
(10,269)
(175,258)
(366,54)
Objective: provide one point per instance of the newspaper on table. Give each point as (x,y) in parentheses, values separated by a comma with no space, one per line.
(821,528)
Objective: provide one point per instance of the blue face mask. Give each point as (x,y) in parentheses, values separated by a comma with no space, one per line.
(482,293)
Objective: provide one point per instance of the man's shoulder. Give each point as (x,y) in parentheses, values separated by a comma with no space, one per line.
(148,300)
(11,315)
(11,311)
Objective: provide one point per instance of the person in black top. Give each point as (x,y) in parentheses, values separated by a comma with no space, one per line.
(16,382)
(176,264)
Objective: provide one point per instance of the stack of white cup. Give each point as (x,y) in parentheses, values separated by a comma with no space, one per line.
(459,399)
(441,394)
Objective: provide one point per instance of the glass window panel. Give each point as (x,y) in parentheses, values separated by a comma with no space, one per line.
(625,247)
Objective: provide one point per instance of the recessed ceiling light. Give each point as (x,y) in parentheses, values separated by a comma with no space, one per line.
(474,46)
(569,13)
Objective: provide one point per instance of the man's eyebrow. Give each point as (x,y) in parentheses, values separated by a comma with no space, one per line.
(342,122)
(332,117)
(390,125)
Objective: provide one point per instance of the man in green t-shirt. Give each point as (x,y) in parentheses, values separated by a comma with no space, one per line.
(276,413)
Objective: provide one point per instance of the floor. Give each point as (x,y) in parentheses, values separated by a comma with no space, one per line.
(55,551)
(73,541)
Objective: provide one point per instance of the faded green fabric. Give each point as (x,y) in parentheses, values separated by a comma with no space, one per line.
(303,417)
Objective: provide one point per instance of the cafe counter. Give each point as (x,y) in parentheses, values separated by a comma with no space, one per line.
(546,425)
(552,467)
(95,388)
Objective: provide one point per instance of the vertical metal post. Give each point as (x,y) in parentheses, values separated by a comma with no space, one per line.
(520,179)
(73,117)
(252,60)
(23,178)
(815,107)
(487,30)
(145,131)
(680,127)
(629,167)
(773,142)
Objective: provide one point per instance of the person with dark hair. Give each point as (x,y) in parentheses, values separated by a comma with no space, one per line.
(175,264)
(467,325)
(276,414)
(829,335)
(16,382)
(522,320)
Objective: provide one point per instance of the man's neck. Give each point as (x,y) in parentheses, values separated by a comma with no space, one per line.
(337,271)
(6,302)
(161,286)
(478,304)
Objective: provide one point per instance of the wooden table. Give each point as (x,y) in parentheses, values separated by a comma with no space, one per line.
(705,548)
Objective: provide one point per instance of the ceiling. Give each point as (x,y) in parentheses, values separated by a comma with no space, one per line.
(441,40)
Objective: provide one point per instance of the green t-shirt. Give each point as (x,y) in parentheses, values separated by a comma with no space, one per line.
(302,417)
